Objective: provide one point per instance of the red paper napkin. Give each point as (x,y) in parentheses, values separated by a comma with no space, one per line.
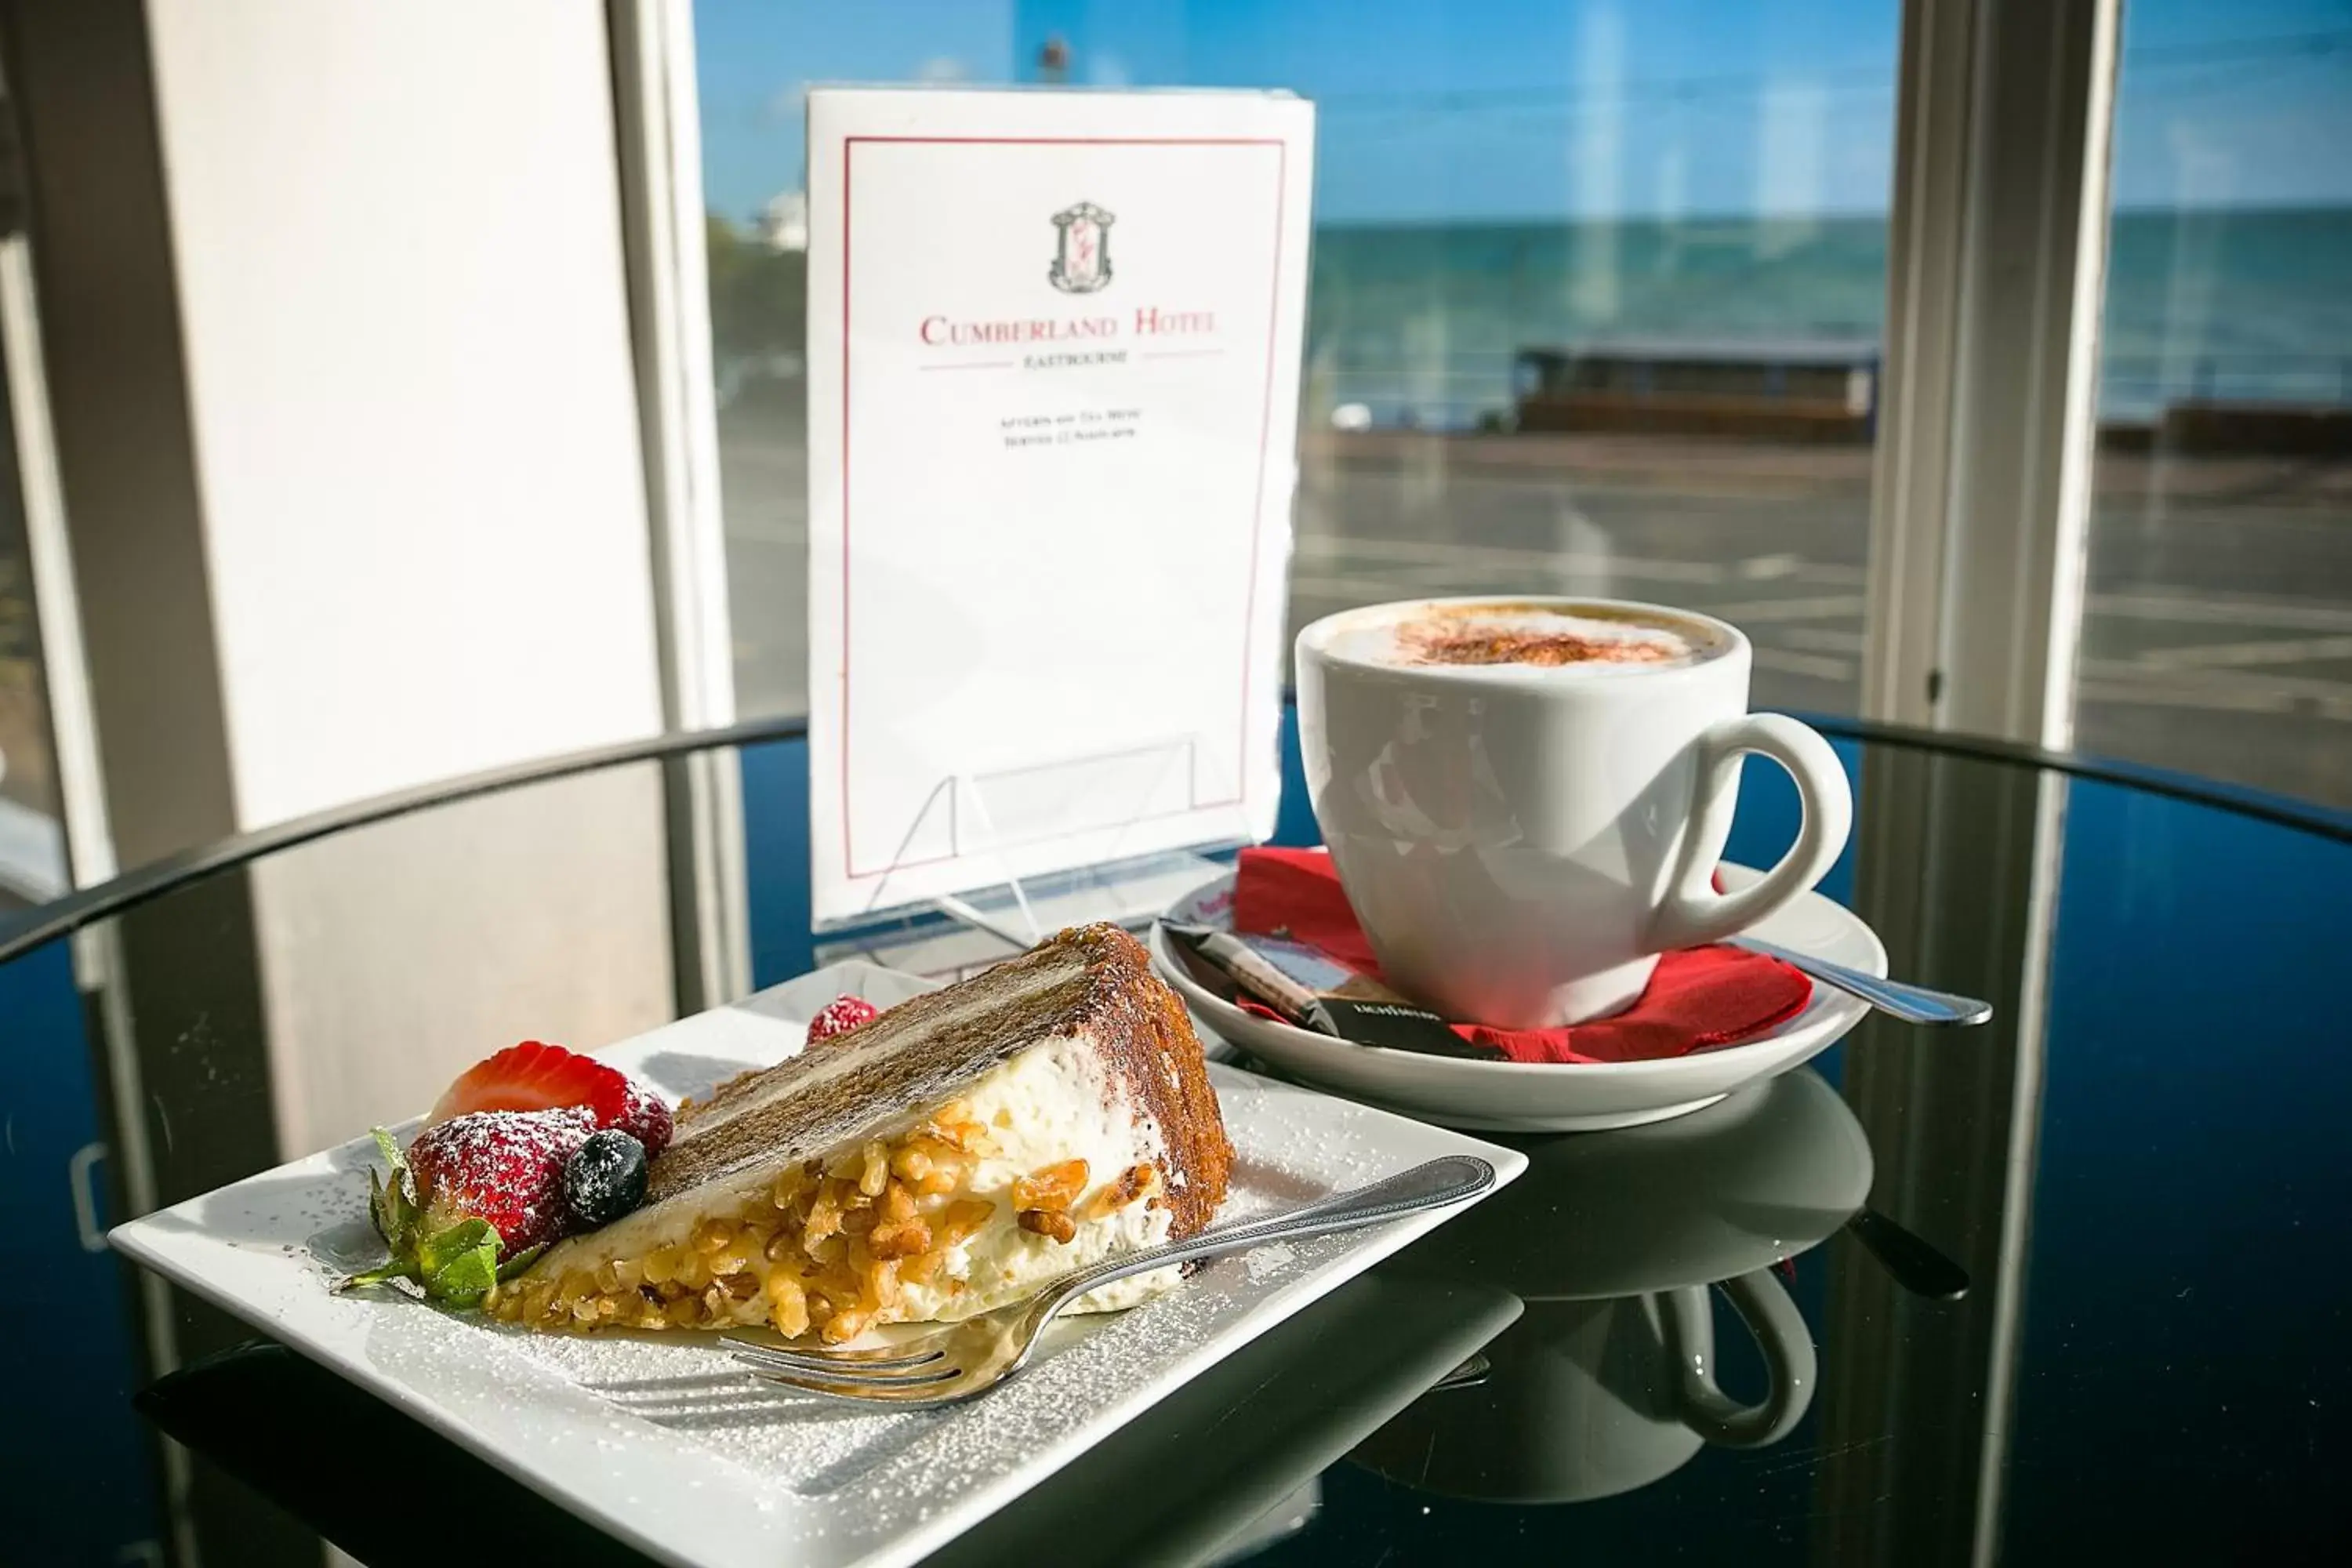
(1698,998)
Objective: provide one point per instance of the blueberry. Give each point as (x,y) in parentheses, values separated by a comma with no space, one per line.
(605,1178)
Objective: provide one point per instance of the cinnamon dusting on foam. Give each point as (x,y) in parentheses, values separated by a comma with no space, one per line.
(1502,633)
(1431,645)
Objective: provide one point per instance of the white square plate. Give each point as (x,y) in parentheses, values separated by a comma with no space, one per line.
(669,1445)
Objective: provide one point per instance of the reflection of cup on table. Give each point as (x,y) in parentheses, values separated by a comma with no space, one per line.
(1588,1399)
(1607,1383)
(1525,798)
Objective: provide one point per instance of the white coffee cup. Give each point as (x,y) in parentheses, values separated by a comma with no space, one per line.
(1521,841)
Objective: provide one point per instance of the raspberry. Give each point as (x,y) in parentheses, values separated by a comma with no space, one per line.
(840,1016)
(644,1116)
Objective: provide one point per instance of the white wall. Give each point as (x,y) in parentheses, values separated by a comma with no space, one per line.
(394,956)
(404,317)
(398,261)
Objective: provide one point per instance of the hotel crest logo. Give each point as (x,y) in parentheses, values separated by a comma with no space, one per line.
(1082,258)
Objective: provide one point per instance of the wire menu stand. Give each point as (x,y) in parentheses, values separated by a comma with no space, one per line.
(1039,847)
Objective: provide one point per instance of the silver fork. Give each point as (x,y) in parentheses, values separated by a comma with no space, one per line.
(969,1358)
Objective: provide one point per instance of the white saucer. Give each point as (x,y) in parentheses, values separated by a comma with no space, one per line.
(1516,1096)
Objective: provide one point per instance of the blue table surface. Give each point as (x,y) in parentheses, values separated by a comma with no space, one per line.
(2171,1271)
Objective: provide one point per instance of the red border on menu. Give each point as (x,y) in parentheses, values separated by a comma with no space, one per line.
(1265,419)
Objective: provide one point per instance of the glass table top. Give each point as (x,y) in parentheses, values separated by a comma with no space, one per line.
(2138,1165)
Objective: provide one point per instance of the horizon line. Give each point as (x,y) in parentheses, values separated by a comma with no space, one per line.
(2342,204)
(1730,215)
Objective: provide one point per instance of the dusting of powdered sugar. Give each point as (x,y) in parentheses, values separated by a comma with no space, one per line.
(894,1470)
(891,1471)
(511,1163)
(832,1483)
(1268,1262)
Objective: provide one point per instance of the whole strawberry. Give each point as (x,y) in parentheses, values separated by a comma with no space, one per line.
(470,1195)
(839,1016)
(503,1166)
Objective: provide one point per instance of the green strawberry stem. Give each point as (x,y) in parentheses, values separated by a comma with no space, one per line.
(455,1263)
(519,1261)
(383,1275)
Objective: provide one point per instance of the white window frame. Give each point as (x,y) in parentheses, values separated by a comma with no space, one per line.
(1996,274)
(658,132)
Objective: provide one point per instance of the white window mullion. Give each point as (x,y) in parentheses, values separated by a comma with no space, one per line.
(1996,263)
(660,165)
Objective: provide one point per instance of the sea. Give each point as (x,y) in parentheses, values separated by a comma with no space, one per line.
(1420,325)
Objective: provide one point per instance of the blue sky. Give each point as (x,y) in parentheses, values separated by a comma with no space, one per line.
(1451,109)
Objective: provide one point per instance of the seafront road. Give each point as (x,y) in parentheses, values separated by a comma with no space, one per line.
(2218,634)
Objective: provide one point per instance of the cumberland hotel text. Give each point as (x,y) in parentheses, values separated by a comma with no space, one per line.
(1147,321)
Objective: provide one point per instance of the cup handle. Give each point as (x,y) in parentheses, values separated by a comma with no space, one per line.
(1693,912)
(1780,1333)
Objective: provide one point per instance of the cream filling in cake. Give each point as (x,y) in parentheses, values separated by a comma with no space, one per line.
(1045,1106)
(1041,1166)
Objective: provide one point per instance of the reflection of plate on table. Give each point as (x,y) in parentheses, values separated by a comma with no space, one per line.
(1520,1097)
(667,1443)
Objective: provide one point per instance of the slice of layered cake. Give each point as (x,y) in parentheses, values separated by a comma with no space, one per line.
(951,1155)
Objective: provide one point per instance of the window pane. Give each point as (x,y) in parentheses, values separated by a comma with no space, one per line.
(1595,303)
(32,842)
(2218,634)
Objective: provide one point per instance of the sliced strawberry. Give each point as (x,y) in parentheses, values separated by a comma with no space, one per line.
(535,1076)
(840,1016)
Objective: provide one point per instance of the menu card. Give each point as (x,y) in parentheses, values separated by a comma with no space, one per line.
(1054,370)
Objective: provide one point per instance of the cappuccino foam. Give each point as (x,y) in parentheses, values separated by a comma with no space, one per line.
(1528,635)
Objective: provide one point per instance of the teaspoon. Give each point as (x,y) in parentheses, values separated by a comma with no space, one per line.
(1912,1003)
